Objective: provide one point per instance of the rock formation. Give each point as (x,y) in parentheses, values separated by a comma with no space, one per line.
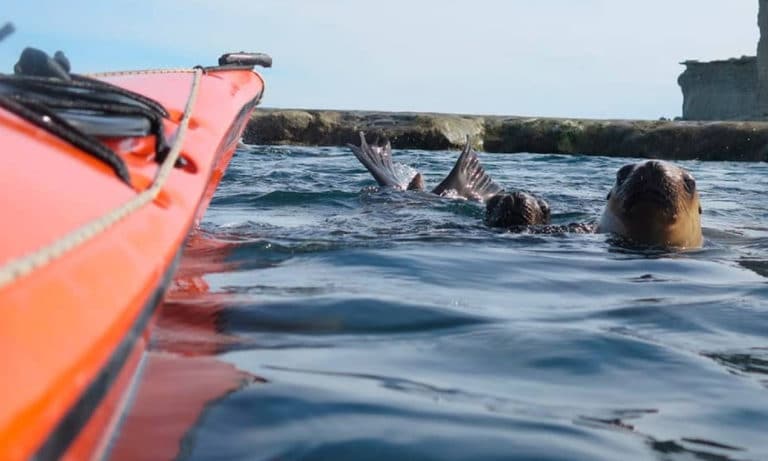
(762,60)
(732,89)
(336,128)
(720,90)
(673,140)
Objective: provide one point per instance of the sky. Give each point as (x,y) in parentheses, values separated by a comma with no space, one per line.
(567,58)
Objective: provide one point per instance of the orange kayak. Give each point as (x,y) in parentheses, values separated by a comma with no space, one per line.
(92,234)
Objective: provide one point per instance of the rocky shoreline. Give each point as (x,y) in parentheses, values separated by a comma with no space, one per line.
(671,140)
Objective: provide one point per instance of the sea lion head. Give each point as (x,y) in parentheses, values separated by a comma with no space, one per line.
(654,203)
(516,209)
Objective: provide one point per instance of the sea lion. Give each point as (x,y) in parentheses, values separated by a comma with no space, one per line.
(467,179)
(516,209)
(654,203)
(651,203)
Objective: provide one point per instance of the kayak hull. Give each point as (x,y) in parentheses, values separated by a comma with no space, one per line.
(74,325)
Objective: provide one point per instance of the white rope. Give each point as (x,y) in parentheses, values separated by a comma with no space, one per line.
(119,73)
(28,263)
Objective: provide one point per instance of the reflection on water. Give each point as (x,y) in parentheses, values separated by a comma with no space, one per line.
(315,318)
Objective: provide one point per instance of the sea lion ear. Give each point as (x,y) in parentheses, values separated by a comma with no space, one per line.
(623,173)
(417,182)
(699,209)
(608,197)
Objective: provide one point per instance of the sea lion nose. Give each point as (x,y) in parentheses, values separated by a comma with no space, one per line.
(652,169)
(518,196)
(654,165)
(510,203)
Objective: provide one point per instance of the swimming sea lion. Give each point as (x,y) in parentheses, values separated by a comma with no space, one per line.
(467,179)
(654,203)
(651,203)
(516,209)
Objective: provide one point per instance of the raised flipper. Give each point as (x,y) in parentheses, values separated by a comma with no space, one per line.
(468,179)
(378,161)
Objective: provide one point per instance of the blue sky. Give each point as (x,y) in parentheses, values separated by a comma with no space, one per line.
(580,58)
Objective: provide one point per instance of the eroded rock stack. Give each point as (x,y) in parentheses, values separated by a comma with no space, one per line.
(720,90)
(729,89)
(762,60)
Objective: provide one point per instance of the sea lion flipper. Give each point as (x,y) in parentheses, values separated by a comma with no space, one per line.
(378,161)
(468,178)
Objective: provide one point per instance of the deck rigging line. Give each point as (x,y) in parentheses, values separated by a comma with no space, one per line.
(80,109)
(26,264)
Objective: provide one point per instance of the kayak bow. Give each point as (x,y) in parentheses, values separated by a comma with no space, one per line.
(86,253)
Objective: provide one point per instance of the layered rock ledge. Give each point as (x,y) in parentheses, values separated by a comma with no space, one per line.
(671,140)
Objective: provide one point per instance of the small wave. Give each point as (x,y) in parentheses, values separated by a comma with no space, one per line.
(290,198)
(395,324)
(332,316)
(404,174)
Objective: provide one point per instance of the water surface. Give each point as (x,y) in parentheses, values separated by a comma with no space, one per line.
(389,325)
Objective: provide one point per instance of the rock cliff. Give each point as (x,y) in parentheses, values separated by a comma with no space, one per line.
(673,140)
(733,89)
(720,90)
(762,59)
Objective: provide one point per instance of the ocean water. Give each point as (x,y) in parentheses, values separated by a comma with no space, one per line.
(395,325)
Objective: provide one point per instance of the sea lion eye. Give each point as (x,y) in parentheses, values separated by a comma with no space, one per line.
(623,173)
(689,184)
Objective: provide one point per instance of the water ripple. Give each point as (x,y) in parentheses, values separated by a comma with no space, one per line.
(395,325)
